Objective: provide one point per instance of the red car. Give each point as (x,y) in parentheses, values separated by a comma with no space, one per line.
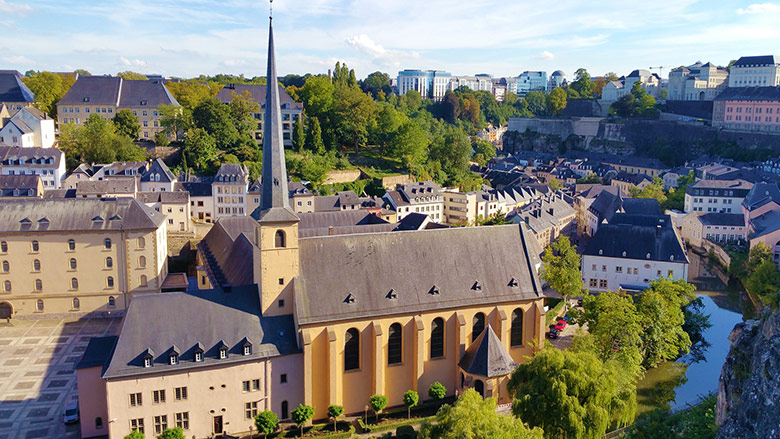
(561,325)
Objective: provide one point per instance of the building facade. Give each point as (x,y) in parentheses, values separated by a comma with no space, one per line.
(422,197)
(748,109)
(28,128)
(755,71)
(696,82)
(429,83)
(557,79)
(722,228)
(291,110)
(724,196)
(229,190)
(531,81)
(49,163)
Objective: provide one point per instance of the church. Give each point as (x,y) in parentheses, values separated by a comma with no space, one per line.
(315,308)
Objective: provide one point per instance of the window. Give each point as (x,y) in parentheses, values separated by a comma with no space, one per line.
(670,273)
(76,303)
(142,261)
(181,393)
(183,420)
(4,247)
(36,265)
(110,282)
(7,286)
(39,305)
(247,349)
(618,269)
(222,353)
(98,423)
(160,423)
(144,281)
(395,344)
(141,242)
(137,424)
(174,359)
(516,332)
(35,246)
(283,378)
(111,302)
(73,263)
(136,399)
(437,338)
(285,410)
(6,267)
(245,386)
(71,245)
(38,285)
(250,410)
(74,284)
(198,356)
(109,262)
(158,396)
(593,282)
(280,239)
(352,349)
(477,325)
(602,283)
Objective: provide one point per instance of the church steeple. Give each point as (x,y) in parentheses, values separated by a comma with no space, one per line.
(274,201)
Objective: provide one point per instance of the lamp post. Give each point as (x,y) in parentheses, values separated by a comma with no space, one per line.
(365,414)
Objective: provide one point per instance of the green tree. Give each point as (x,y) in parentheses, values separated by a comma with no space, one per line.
(764,282)
(556,101)
(437,391)
(561,268)
(161,139)
(266,422)
(653,191)
(97,142)
(352,113)
(582,83)
(662,318)
(317,95)
(314,141)
(82,72)
(127,123)
(132,76)
(189,93)
(376,82)
(625,106)
(409,144)
(175,120)
(334,412)
(242,109)
(214,117)
(388,120)
(412,99)
(555,184)
(471,417)
(377,403)
(48,88)
(411,398)
(537,103)
(172,433)
(135,434)
(200,149)
(675,198)
(301,415)
(315,168)
(452,106)
(572,395)
(487,149)
(299,135)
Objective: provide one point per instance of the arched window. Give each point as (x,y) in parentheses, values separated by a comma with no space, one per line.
(73,263)
(4,247)
(109,262)
(111,302)
(352,349)
(38,285)
(110,282)
(516,333)
(6,267)
(285,410)
(39,305)
(144,282)
(7,286)
(142,261)
(395,344)
(76,303)
(35,246)
(280,239)
(71,245)
(477,325)
(107,243)
(141,242)
(98,423)
(74,284)
(36,265)
(437,338)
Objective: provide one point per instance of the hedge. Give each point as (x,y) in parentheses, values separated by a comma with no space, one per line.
(391,426)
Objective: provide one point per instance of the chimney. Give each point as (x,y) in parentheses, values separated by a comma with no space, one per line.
(330,231)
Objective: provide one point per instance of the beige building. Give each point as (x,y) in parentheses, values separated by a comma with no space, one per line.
(78,256)
(229,190)
(715,227)
(174,205)
(548,218)
(21,186)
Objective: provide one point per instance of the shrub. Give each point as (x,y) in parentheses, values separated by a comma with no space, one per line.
(377,403)
(437,391)
(405,432)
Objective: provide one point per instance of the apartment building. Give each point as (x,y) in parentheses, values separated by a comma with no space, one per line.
(755,71)
(724,196)
(157,178)
(422,197)
(21,186)
(49,163)
(175,205)
(429,83)
(229,190)
(201,200)
(290,110)
(548,218)
(29,127)
(748,109)
(106,95)
(78,256)
(717,227)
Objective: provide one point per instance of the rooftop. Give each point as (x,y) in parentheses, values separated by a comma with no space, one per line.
(13,89)
(643,237)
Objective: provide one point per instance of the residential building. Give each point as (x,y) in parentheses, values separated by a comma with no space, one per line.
(49,163)
(584,199)
(429,83)
(157,178)
(771,165)
(201,200)
(531,81)
(116,187)
(626,181)
(610,203)
(481,82)
(291,110)
(696,82)
(78,256)
(748,109)
(27,128)
(671,177)
(762,198)
(548,218)
(120,170)
(636,165)
(724,196)
(469,207)
(765,229)
(14,94)
(175,205)
(557,79)
(423,197)
(631,251)
(106,95)
(716,227)
(755,71)
(21,186)
(229,190)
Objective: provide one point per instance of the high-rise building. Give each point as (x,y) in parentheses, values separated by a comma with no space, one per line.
(429,83)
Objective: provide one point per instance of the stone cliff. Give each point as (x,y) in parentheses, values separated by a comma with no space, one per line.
(749,387)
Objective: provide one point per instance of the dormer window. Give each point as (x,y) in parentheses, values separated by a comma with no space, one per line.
(174,359)
(148,362)
(222,353)
(247,349)
(198,357)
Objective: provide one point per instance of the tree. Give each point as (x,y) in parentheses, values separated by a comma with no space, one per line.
(561,268)
(412,99)
(314,141)
(556,101)
(411,398)
(474,418)
(582,84)
(537,103)
(299,136)
(452,106)
(214,117)
(388,120)
(572,395)
(437,391)
(97,142)
(172,433)
(625,106)
(135,434)
(200,148)
(487,149)
(764,282)
(189,93)
(334,411)
(409,144)
(376,82)
(301,415)
(266,422)
(161,139)
(653,191)
(48,88)
(555,184)
(662,318)
(127,123)
(353,111)
(132,76)
(377,403)
(242,109)
(175,120)
(317,95)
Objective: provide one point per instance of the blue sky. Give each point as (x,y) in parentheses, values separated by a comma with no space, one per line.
(504,38)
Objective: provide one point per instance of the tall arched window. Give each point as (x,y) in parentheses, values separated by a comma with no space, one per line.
(38,285)
(109,262)
(516,335)
(479,386)
(110,282)
(4,247)
(35,246)
(437,338)
(73,263)
(39,305)
(107,243)
(141,242)
(76,303)
(352,349)
(280,239)
(395,344)
(142,261)
(71,245)
(111,302)
(74,284)
(98,423)
(477,325)
(36,265)
(285,410)
(6,267)
(7,286)
(144,282)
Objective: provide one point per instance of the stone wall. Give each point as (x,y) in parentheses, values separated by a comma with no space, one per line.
(343,176)
(389,183)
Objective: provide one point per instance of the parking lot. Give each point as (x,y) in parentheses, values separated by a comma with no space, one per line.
(37,376)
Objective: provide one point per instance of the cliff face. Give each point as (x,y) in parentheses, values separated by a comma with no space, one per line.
(749,387)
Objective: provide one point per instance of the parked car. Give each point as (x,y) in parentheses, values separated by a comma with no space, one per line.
(71,414)
(552,334)
(561,325)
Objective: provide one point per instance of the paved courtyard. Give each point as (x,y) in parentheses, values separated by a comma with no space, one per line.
(37,379)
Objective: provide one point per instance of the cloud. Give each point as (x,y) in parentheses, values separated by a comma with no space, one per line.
(546,56)
(17,59)
(364,43)
(125,61)
(13,8)
(136,62)
(234,62)
(760,8)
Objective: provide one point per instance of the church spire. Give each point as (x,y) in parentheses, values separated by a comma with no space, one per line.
(274,201)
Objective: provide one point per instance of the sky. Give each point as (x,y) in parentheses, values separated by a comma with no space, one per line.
(186,38)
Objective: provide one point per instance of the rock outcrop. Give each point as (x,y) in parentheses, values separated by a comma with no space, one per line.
(749,387)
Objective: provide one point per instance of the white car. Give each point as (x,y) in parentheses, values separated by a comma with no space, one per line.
(71,414)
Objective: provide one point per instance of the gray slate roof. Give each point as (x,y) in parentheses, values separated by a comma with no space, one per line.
(158,167)
(641,206)
(257,92)
(750,94)
(109,186)
(487,357)
(180,197)
(113,90)
(207,318)
(368,266)
(150,93)
(765,224)
(722,219)
(761,60)
(98,352)
(32,156)
(12,89)
(761,194)
(637,236)
(232,172)
(197,188)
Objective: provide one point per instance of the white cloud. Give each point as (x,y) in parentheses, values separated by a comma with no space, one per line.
(125,61)
(234,62)
(760,8)
(380,55)
(364,43)
(13,8)
(139,63)
(546,56)
(17,60)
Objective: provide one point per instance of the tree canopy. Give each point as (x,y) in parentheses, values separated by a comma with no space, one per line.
(561,268)
(97,141)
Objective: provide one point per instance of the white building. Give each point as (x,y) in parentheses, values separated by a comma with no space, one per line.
(28,128)
(723,196)
(482,82)
(632,251)
(201,200)
(429,83)
(696,82)
(531,81)
(755,71)
(423,197)
(557,79)
(158,178)
(614,90)
(229,190)
(49,163)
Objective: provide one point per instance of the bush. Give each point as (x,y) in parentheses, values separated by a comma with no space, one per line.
(405,432)
(437,391)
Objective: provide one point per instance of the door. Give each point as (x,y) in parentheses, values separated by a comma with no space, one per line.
(6,311)
(479,386)
(218,424)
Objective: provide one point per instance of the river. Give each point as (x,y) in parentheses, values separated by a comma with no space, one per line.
(676,384)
